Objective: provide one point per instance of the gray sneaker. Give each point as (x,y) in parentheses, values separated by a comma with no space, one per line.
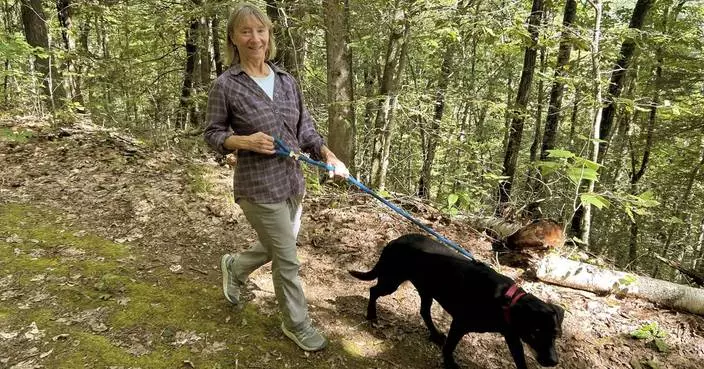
(307,338)
(230,285)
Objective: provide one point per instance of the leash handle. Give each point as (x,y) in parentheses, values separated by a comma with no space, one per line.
(283,150)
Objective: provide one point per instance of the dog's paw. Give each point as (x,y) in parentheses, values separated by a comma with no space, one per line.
(451,365)
(438,339)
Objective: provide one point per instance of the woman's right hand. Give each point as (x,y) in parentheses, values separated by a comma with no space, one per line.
(258,142)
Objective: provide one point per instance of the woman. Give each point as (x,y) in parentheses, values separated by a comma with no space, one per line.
(248,105)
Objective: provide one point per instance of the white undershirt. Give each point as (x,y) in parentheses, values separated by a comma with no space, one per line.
(266,83)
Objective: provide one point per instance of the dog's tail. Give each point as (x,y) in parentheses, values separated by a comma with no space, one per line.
(365,276)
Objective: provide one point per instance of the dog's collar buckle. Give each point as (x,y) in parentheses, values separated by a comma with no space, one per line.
(513,294)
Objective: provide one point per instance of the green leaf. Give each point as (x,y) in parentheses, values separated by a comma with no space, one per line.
(577,174)
(594,199)
(645,331)
(557,153)
(452,200)
(628,211)
(661,345)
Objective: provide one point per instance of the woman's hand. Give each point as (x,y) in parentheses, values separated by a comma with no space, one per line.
(340,168)
(330,159)
(258,142)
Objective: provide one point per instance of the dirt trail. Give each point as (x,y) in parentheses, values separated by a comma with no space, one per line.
(109,254)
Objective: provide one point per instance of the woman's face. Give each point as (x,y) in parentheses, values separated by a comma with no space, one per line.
(251,37)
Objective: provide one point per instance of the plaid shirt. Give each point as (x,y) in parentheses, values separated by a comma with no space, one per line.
(236,104)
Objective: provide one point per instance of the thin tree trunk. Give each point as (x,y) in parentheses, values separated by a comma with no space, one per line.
(204,51)
(619,73)
(558,84)
(583,218)
(685,199)
(393,69)
(215,31)
(538,131)
(188,75)
(698,259)
(424,183)
(341,117)
(367,139)
(291,43)
(534,179)
(36,34)
(516,130)
(8,29)
(63,10)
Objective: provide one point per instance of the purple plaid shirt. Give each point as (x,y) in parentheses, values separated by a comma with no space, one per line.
(236,104)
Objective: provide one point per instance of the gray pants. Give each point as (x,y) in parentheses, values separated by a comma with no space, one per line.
(277,226)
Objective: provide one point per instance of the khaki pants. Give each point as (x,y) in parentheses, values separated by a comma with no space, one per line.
(277,226)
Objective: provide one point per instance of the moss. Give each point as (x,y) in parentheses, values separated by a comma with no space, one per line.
(95,351)
(20,136)
(41,229)
(152,307)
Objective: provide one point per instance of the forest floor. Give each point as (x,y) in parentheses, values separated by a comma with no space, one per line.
(109,258)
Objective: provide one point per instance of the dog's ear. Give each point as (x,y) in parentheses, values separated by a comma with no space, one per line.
(560,315)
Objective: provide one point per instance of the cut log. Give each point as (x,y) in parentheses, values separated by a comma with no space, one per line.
(564,272)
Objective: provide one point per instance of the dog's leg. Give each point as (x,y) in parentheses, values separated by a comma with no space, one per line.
(384,286)
(454,336)
(426,301)
(516,348)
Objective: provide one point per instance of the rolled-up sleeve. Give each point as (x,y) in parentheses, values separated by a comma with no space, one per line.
(309,139)
(217,118)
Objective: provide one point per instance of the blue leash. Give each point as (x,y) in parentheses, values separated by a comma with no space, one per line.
(282,150)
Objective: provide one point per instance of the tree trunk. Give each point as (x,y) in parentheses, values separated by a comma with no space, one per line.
(63,10)
(290,41)
(573,274)
(698,258)
(204,53)
(513,145)
(433,133)
(534,179)
(558,84)
(388,89)
(582,218)
(685,199)
(185,104)
(365,148)
(653,110)
(697,278)
(341,117)
(619,73)
(215,31)
(35,31)
(538,131)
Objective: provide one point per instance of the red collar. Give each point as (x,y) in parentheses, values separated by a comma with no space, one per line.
(513,294)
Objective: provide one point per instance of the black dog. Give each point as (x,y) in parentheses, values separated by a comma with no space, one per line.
(478,298)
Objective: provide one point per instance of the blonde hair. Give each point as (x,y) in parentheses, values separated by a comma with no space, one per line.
(242,11)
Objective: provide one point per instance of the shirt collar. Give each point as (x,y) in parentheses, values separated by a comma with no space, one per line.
(236,69)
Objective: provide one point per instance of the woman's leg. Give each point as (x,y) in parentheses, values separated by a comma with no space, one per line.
(277,226)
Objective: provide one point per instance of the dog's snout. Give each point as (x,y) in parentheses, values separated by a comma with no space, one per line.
(548,360)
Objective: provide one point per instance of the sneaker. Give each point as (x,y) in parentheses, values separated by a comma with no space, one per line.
(230,284)
(308,338)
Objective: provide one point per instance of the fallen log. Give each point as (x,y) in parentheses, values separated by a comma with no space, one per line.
(564,272)
(695,277)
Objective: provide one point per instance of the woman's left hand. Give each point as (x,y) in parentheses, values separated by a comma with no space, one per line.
(340,167)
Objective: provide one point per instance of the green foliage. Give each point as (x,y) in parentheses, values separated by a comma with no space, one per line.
(7,134)
(653,333)
(649,331)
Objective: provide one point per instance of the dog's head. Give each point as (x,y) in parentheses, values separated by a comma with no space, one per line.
(539,324)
